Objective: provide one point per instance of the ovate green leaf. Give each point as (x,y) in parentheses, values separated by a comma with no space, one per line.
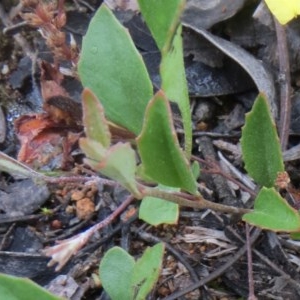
(115,273)
(14,288)
(95,124)
(156,211)
(117,162)
(162,158)
(272,212)
(123,278)
(162,18)
(112,68)
(175,86)
(260,144)
(93,150)
(146,272)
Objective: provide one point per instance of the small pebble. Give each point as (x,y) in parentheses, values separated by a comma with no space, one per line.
(5,69)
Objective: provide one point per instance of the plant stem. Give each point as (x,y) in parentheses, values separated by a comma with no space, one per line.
(192,201)
(251,295)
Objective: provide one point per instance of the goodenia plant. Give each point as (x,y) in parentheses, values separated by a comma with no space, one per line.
(124,89)
(118,89)
(129,101)
(112,68)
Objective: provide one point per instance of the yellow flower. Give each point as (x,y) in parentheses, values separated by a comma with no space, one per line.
(284,11)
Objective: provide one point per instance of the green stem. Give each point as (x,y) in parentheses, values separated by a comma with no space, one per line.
(195,202)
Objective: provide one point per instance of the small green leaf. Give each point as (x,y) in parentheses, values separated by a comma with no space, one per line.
(260,144)
(115,273)
(272,212)
(156,211)
(117,162)
(146,272)
(92,149)
(162,18)
(161,155)
(175,86)
(14,288)
(112,68)
(95,124)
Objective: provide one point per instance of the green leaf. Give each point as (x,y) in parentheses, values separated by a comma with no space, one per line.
(162,18)
(123,278)
(156,211)
(112,68)
(115,273)
(162,158)
(92,149)
(175,86)
(117,162)
(14,288)
(260,144)
(272,212)
(95,124)
(146,272)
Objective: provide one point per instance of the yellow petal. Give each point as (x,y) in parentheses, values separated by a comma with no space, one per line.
(284,11)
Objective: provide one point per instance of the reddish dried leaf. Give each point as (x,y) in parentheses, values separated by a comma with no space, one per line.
(29,126)
(44,143)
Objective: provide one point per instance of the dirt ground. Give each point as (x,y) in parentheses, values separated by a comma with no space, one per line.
(229,56)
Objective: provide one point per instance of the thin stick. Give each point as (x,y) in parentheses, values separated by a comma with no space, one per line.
(153,239)
(65,249)
(214,168)
(250,266)
(269,262)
